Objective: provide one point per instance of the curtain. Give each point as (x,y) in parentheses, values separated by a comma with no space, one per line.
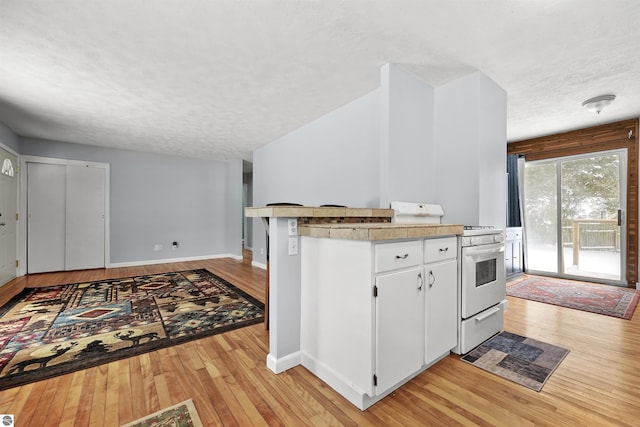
(513,194)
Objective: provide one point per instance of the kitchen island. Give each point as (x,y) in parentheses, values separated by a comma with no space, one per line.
(363,305)
(378,304)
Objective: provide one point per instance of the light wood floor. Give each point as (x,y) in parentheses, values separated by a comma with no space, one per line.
(225,375)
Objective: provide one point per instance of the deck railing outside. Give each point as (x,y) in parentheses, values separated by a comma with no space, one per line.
(591,234)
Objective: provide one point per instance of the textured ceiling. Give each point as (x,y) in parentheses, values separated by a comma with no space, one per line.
(218,79)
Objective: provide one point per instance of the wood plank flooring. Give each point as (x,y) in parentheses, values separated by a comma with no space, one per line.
(598,384)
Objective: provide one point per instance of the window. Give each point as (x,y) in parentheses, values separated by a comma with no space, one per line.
(7,168)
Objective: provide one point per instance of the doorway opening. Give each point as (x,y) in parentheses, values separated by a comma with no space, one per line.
(247,223)
(574,216)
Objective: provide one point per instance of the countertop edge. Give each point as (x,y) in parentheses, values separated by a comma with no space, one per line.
(380,231)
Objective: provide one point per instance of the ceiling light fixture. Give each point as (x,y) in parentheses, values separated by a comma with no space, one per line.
(597,104)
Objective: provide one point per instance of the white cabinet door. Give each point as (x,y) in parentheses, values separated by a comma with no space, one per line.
(85,218)
(46,207)
(441,309)
(399,326)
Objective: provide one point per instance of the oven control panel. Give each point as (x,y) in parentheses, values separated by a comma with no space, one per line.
(484,239)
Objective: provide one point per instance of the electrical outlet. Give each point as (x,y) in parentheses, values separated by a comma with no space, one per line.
(157,247)
(261,251)
(174,245)
(292,226)
(293,245)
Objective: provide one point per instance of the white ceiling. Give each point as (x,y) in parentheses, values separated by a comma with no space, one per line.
(218,79)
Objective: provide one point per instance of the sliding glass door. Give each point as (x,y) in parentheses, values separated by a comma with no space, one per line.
(573,216)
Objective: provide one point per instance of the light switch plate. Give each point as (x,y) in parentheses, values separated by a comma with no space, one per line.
(293,245)
(293,226)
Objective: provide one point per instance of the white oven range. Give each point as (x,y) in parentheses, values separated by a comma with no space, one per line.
(481,286)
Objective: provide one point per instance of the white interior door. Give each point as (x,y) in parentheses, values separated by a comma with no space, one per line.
(46,217)
(85,218)
(8,210)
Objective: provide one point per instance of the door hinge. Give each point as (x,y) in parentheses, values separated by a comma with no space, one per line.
(375,291)
(17,262)
(375,380)
(17,216)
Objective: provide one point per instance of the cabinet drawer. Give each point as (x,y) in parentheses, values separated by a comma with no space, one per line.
(440,249)
(392,256)
(481,327)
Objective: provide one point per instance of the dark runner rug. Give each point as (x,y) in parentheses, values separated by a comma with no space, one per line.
(523,360)
(51,331)
(602,299)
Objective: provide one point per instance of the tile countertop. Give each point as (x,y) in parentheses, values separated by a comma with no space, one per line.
(378,231)
(314,211)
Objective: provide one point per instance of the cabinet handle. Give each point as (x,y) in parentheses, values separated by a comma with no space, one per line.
(444,250)
(430,277)
(402,256)
(420,281)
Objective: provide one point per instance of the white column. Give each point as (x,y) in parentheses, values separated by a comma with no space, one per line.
(284,299)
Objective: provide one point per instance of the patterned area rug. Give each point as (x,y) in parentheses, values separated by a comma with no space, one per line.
(183,414)
(51,331)
(602,299)
(522,360)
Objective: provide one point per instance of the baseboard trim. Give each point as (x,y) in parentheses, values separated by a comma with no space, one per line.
(283,363)
(259,265)
(169,260)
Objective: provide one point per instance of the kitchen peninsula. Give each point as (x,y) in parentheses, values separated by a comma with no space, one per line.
(284,270)
(335,302)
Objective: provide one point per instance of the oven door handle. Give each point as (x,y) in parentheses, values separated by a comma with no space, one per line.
(474,252)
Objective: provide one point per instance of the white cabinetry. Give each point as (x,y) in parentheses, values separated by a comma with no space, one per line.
(397,255)
(513,251)
(364,327)
(441,321)
(399,312)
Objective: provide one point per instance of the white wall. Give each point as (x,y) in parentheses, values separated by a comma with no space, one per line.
(233,206)
(455,127)
(8,138)
(405,141)
(332,160)
(470,149)
(158,199)
(492,159)
(406,137)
